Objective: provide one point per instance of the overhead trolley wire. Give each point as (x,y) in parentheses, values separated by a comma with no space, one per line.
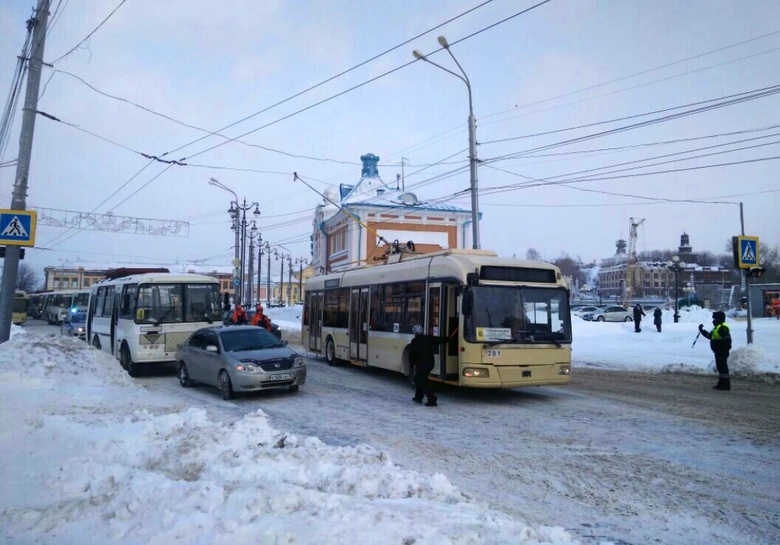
(88,36)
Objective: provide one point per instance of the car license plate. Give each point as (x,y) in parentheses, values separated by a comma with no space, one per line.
(281,377)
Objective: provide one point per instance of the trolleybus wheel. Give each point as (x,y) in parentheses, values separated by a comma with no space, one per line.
(330,352)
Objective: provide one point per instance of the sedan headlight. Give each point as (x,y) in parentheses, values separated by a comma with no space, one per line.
(247,366)
(298,362)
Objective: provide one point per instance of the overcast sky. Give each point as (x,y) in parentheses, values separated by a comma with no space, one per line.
(561,65)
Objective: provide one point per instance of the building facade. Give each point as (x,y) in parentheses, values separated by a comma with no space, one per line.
(359,225)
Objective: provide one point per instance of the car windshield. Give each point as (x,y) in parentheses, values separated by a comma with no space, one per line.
(522,315)
(78,317)
(248,338)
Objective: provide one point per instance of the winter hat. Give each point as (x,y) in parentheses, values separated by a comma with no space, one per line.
(719,317)
(417,330)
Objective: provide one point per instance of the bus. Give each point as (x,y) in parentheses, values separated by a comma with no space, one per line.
(142,318)
(507,321)
(58,304)
(21,306)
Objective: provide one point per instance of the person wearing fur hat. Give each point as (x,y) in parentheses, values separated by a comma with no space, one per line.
(720,343)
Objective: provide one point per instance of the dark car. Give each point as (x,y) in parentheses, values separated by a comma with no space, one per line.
(239,359)
(227,319)
(75,325)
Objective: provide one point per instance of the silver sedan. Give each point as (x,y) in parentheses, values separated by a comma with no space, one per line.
(239,359)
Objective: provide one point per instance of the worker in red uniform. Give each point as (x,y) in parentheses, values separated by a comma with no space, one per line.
(260,319)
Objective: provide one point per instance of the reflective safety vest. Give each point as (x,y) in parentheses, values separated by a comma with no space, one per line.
(716,336)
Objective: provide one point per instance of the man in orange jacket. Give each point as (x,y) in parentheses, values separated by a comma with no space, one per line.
(239,316)
(260,319)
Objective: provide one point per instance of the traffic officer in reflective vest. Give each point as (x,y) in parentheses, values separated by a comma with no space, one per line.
(720,343)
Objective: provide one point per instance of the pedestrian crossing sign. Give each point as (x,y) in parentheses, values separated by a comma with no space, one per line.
(17,227)
(747,248)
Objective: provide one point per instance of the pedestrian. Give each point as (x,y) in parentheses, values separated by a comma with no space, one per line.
(239,316)
(658,318)
(260,319)
(638,313)
(421,352)
(720,343)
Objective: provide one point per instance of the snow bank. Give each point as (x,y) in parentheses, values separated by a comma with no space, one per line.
(94,457)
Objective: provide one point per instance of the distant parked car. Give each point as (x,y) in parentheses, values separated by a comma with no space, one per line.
(227,319)
(611,314)
(75,325)
(239,359)
(581,311)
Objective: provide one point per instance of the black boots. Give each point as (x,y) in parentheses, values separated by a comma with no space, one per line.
(431,403)
(723,384)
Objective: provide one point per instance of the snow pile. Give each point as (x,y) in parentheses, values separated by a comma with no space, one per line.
(96,458)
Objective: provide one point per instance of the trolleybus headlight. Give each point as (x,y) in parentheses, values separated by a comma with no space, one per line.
(298,362)
(564,370)
(475,372)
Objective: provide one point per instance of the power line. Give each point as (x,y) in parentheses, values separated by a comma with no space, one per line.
(91,33)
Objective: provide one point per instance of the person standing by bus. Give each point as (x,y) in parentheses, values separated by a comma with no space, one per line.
(421,352)
(720,343)
(260,319)
(239,316)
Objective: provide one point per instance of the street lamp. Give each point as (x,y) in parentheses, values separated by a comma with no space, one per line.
(266,248)
(472,137)
(301,261)
(235,226)
(281,256)
(253,235)
(676,266)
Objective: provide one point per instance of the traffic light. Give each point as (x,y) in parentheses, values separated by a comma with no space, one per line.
(756,272)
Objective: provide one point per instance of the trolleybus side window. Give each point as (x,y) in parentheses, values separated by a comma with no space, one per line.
(335,308)
(401,303)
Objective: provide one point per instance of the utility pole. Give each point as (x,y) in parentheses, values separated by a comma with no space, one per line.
(19,199)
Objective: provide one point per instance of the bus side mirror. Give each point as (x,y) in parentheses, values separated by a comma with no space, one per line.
(472,279)
(140,315)
(468,302)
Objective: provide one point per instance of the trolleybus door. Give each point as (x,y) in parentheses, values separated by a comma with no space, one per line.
(315,322)
(358,324)
(433,323)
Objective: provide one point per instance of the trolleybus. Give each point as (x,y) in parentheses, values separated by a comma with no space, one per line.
(142,318)
(507,321)
(21,306)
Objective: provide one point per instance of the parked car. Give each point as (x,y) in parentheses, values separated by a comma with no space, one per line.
(75,325)
(239,359)
(611,314)
(227,319)
(581,311)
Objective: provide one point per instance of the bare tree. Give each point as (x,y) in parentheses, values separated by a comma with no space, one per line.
(27,279)
(533,254)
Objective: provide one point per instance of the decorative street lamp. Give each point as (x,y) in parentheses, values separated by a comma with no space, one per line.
(676,266)
(253,236)
(472,137)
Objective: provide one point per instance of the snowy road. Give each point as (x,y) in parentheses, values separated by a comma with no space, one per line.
(615,457)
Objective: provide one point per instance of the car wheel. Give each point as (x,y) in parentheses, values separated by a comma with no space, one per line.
(628,319)
(294,388)
(96,342)
(600,319)
(133,368)
(330,352)
(184,375)
(225,386)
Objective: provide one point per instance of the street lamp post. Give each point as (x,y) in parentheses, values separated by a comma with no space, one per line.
(676,266)
(301,261)
(267,250)
(281,256)
(259,266)
(235,226)
(243,208)
(472,137)
(289,278)
(253,235)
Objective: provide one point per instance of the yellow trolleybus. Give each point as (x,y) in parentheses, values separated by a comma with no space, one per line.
(508,321)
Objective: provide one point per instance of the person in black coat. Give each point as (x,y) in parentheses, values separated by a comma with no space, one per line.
(421,352)
(638,313)
(658,318)
(720,343)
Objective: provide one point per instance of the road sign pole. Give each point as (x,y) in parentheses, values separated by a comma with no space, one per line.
(11,264)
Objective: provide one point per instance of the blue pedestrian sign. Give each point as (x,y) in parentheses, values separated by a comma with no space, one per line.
(236,282)
(17,227)
(747,248)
